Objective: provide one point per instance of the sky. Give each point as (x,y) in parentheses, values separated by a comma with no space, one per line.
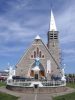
(22,20)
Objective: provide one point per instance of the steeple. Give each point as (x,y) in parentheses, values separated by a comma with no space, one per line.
(53,41)
(52,33)
(52,26)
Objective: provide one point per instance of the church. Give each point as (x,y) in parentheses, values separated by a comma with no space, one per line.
(39,69)
(42,61)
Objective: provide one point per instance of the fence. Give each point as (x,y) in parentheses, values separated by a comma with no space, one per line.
(39,83)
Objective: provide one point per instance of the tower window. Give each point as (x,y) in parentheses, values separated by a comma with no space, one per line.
(51,34)
(55,35)
(55,38)
(51,37)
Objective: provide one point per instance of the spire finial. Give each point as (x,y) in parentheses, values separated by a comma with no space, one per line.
(52,26)
(37,37)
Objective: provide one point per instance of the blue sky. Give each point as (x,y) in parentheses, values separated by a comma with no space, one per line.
(22,20)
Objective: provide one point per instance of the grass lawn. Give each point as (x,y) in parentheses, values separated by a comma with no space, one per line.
(72,85)
(4,96)
(70,96)
(2,84)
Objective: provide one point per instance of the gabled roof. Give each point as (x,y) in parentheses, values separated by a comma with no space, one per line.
(31,47)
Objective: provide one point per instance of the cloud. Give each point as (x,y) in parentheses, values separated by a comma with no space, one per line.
(7,51)
(69,51)
(66,24)
(22,20)
(10,29)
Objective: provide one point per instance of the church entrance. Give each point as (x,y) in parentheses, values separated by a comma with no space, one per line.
(36,76)
(37,70)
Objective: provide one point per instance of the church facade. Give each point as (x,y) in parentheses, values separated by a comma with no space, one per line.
(41,60)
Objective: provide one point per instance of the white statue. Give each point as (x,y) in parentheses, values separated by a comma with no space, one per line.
(63,75)
(11,73)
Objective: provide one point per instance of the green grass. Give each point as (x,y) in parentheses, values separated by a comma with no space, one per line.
(70,96)
(4,96)
(2,84)
(72,85)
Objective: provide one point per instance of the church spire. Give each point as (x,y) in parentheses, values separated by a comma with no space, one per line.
(52,26)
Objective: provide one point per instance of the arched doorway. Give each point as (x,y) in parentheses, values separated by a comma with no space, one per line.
(37,70)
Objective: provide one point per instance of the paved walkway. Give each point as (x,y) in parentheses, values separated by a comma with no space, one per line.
(24,96)
(34,96)
(69,90)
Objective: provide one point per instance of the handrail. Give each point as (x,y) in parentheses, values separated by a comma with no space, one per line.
(43,83)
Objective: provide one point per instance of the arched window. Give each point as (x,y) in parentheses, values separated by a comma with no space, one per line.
(34,54)
(40,54)
(37,51)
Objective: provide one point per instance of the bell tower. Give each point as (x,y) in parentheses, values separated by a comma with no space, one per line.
(53,42)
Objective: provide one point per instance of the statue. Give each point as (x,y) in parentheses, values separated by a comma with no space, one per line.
(36,68)
(11,73)
(37,61)
(63,75)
